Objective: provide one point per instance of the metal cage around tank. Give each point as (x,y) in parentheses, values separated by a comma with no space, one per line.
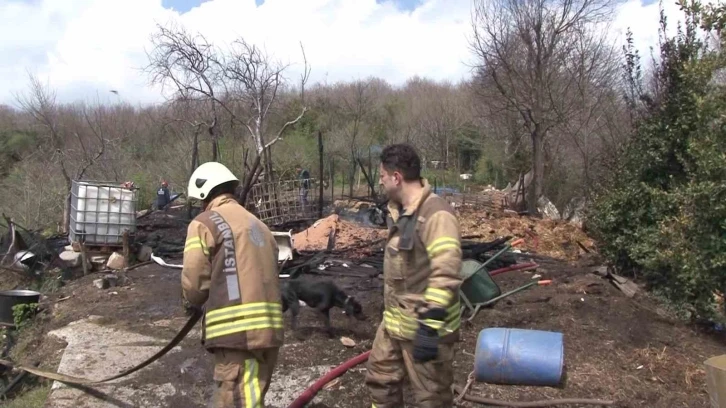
(101,212)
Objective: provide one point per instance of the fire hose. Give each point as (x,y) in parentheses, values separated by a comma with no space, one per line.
(309,393)
(517,267)
(68,379)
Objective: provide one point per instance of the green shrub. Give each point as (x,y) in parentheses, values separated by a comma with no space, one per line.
(662,216)
(22,314)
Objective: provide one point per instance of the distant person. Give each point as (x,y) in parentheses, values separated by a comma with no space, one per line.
(162,196)
(304,176)
(230,269)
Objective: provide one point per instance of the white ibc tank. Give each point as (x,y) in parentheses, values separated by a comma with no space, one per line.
(101,212)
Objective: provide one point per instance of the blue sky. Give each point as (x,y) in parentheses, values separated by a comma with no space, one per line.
(183,6)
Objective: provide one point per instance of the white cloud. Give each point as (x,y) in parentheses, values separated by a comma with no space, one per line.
(85,48)
(644,21)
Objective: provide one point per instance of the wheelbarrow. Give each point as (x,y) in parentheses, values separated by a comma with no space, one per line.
(479,290)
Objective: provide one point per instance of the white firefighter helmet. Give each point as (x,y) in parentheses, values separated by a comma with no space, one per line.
(206,177)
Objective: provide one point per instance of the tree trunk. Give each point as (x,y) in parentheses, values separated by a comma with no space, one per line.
(446,160)
(331,168)
(195,153)
(67,213)
(67,203)
(535,187)
(588,184)
(369,180)
(213,136)
(195,163)
(370,171)
(268,165)
(321,172)
(250,179)
(357,186)
(351,178)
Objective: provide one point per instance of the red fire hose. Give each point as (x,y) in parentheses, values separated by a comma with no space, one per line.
(309,394)
(517,267)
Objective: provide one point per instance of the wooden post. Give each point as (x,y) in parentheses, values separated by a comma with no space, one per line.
(322,169)
(127,249)
(84,258)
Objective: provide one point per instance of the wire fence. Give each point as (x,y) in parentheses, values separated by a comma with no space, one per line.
(276,203)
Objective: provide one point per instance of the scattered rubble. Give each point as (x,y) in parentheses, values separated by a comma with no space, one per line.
(555,238)
(144,253)
(332,385)
(346,233)
(101,283)
(110,280)
(548,209)
(574,212)
(625,285)
(113,280)
(71,258)
(116,261)
(316,237)
(98,261)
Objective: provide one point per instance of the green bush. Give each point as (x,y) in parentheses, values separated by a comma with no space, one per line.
(662,216)
(489,172)
(22,314)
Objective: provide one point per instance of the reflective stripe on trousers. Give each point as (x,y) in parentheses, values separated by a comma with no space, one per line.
(251,384)
(243,377)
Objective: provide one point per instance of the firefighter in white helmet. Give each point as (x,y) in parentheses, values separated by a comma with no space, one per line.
(230,267)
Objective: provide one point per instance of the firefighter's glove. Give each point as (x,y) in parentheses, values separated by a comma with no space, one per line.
(190,309)
(426,343)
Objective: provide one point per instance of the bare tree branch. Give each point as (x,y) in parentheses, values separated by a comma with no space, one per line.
(541,58)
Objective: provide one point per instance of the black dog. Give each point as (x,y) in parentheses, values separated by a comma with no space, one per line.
(321,296)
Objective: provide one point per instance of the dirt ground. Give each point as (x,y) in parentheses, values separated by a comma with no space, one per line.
(626,350)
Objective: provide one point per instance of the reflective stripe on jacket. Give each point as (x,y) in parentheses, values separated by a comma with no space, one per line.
(421,267)
(230,262)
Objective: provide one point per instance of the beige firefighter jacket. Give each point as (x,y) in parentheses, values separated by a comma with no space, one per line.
(421,267)
(230,262)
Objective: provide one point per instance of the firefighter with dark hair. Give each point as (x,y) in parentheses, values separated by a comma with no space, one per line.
(421,272)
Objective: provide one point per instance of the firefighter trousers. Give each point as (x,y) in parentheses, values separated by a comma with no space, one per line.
(391,360)
(242,377)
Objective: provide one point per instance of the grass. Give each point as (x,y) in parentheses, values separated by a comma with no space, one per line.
(32,398)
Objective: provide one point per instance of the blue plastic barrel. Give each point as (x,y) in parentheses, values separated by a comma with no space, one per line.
(519,357)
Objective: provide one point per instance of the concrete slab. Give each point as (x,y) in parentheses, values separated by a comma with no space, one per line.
(98,351)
